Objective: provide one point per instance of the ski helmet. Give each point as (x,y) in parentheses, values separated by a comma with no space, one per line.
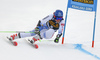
(58,13)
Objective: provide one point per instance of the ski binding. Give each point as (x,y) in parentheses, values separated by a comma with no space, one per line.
(13,42)
(32,43)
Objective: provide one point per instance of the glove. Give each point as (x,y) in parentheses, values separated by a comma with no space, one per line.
(37,30)
(57,38)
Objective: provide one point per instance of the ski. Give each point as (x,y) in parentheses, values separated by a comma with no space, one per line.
(13,42)
(34,45)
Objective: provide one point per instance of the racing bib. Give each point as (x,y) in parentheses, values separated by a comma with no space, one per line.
(54,24)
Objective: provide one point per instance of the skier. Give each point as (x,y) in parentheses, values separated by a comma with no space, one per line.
(45,28)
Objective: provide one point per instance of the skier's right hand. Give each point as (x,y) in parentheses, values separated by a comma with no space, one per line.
(37,30)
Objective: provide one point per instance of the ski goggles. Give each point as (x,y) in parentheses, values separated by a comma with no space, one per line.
(58,18)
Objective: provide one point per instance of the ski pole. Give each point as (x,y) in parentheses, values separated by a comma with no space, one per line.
(15,32)
(45,40)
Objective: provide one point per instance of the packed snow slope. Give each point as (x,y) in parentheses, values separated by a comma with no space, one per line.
(23,15)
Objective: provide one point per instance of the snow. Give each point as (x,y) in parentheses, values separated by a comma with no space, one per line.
(23,15)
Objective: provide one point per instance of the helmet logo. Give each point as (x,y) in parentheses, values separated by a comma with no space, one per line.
(59,14)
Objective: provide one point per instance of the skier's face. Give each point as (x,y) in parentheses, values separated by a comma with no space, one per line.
(57,21)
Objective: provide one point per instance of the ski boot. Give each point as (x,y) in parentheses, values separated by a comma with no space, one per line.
(33,40)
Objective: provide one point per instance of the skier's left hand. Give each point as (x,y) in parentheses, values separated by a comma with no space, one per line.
(56,40)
